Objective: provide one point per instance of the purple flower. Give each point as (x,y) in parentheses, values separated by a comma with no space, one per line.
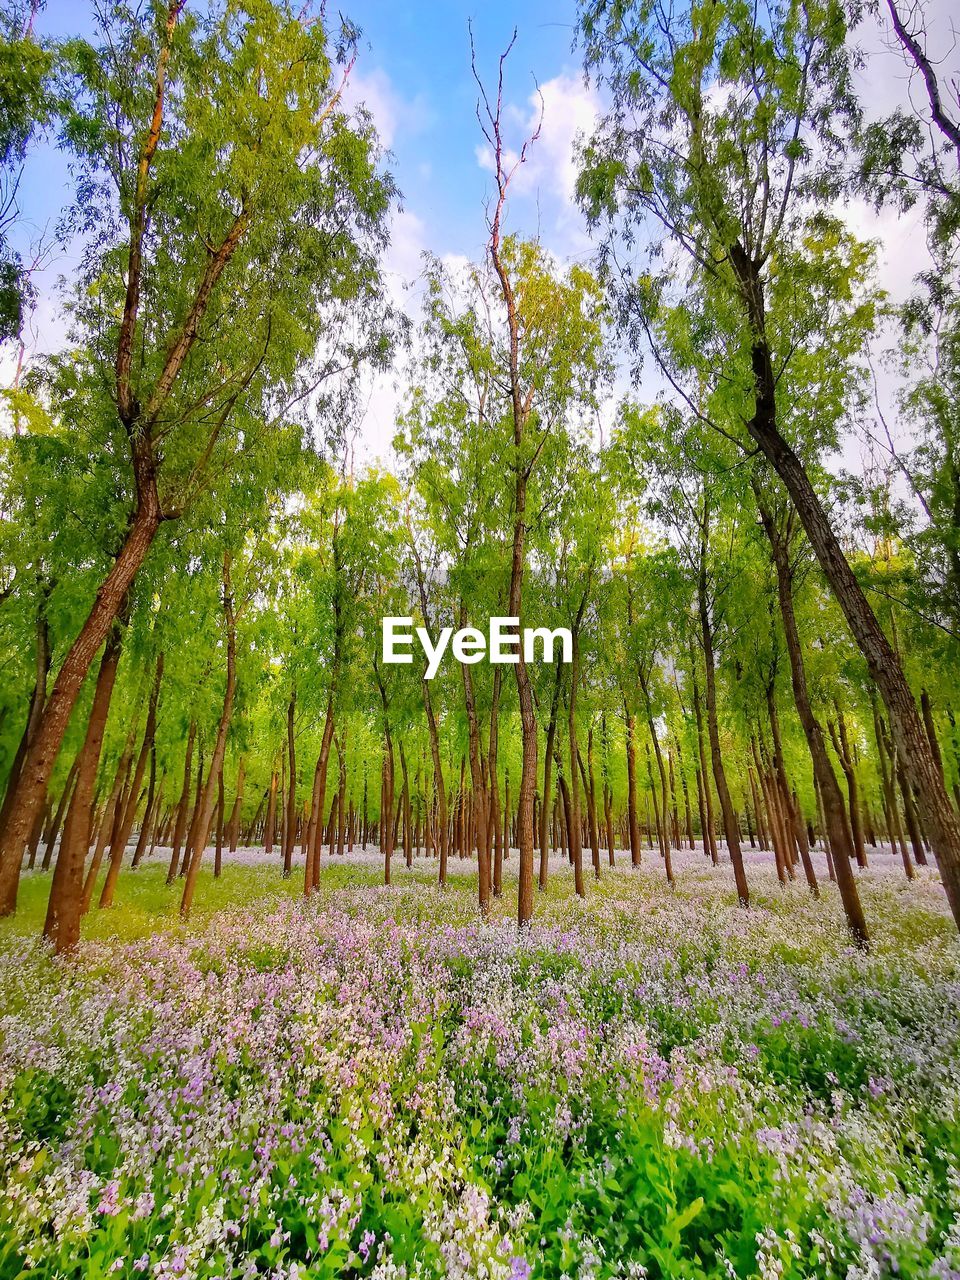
(109,1203)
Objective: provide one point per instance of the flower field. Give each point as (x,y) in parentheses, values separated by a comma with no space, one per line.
(649,1083)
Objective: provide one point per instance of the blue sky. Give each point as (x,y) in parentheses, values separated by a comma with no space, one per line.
(421,53)
(413,72)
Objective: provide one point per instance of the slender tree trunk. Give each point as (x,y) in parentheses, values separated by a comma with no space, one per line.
(434,732)
(220,746)
(773,808)
(107,823)
(836,832)
(931,728)
(831,867)
(150,810)
(54,829)
(710,834)
(341,794)
(589,780)
(573,816)
(221,806)
(146,748)
(730,828)
(758,809)
(632,820)
(792,811)
(270,829)
(545,800)
(386,810)
(608,822)
(940,819)
(290,823)
(194,816)
(233,828)
(887,775)
(387,838)
(439,787)
(37,700)
(688,816)
(116,854)
(663,827)
(842,747)
(30,792)
(910,814)
(494,830)
(405,809)
(311,875)
(180,825)
(65,906)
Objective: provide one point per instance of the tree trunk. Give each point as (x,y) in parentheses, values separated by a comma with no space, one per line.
(146,747)
(887,774)
(940,819)
(341,794)
(709,834)
(440,790)
(480,798)
(180,824)
(837,835)
(221,806)
(405,804)
(931,729)
(573,816)
(730,828)
(269,830)
(233,827)
(290,816)
(37,699)
(107,823)
(545,799)
(792,812)
(194,817)
(150,810)
(216,764)
(633,824)
(54,830)
(65,906)
(589,780)
(842,747)
(30,792)
(116,855)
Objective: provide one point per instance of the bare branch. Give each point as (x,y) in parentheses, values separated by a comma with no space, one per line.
(911,42)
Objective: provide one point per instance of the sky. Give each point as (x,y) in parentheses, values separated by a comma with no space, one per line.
(413,73)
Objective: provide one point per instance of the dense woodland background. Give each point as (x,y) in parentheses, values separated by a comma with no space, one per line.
(646,449)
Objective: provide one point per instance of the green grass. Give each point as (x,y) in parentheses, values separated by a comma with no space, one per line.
(145,903)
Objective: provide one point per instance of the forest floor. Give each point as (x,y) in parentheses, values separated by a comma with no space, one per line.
(650,1082)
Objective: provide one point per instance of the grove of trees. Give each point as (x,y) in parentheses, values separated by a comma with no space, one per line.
(646,449)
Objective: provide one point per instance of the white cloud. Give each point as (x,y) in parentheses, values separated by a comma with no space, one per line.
(402,267)
(403,262)
(887,80)
(392,114)
(570,110)
(901,244)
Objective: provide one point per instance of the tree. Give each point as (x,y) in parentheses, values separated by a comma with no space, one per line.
(232,126)
(26,102)
(727,126)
